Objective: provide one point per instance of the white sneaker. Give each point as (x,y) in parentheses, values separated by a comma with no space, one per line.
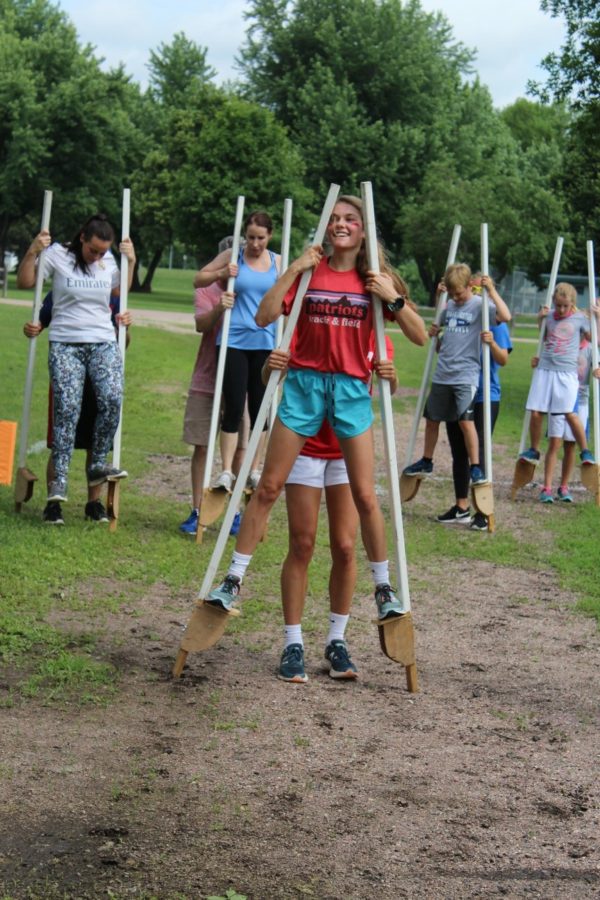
(253,479)
(224,480)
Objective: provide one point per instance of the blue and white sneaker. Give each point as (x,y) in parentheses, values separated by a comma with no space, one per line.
(190,526)
(587,458)
(546,496)
(564,495)
(291,667)
(477,475)
(531,456)
(388,604)
(226,593)
(340,664)
(235,525)
(421,467)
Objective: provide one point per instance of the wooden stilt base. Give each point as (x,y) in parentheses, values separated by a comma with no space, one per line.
(397,640)
(409,486)
(590,478)
(524,474)
(206,626)
(8,441)
(212,506)
(24,486)
(483,501)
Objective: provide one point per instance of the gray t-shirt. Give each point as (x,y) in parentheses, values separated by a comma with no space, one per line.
(562,340)
(459,360)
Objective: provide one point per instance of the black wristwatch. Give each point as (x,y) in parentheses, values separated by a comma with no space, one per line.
(397,305)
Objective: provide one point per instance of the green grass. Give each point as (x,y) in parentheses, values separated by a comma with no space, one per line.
(51,573)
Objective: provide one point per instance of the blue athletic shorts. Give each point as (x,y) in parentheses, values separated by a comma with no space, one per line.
(309,397)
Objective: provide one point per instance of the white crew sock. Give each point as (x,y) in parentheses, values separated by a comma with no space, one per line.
(239,564)
(292,635)
(381,572)
(337,627)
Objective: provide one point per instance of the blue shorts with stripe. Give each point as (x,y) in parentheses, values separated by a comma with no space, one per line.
(309,397)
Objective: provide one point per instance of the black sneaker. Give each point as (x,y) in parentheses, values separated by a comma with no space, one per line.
(95,512)
(52,514)
(340,664)
(291,667)
(479,522)
(455,516)
(99,474)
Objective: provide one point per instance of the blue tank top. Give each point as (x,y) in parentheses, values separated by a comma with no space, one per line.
(250,288)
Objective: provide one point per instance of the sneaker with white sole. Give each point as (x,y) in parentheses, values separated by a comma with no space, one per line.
(52,514)
(388,604)
(291,667)
(253,479)
(224,480)
(477,475)
(340,664)
(587,458)
(564,494)
(190,526)
(95,512)
(478,522)
(226,593)
(530,455)
(99,474)
(420,467)
(455,516)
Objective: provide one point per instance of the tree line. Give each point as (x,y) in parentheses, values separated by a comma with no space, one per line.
(352,90)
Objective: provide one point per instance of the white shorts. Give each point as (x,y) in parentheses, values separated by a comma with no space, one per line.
(558,427)
(313,471)
(553,392)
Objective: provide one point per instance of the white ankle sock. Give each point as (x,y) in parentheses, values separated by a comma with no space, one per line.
(292,635)
(239,564)
(337,627)
(381,572)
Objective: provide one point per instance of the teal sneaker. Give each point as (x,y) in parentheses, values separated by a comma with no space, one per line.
(340,664)
(226,593)
(564,495)
(530,455)
(546,496)
(388,604)
(291,667)
(587,458)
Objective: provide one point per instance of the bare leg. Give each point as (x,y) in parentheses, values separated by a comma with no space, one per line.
(471,441)
(360,462)
(260,451)
(303,517)
(343,526)
(228,443)
(535,428)
(550,461)
(577,429)
(432,430)
(282,450)
(568,463)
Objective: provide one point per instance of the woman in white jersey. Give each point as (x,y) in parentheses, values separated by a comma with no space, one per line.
(82,340)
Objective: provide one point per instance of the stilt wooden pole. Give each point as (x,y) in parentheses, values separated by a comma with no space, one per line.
(483,494)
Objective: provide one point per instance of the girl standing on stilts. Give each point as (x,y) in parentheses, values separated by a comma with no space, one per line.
(328,377)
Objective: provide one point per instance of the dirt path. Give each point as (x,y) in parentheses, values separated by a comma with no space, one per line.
(483,784)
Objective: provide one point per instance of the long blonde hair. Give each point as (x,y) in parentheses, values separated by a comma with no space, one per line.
(362,262)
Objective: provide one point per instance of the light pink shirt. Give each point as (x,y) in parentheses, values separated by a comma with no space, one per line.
(205,369)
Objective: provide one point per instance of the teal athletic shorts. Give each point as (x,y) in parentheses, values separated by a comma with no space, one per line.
(309,397)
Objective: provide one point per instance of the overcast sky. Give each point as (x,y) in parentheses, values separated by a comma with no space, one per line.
(510,36)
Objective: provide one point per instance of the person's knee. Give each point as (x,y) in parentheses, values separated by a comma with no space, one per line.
(342,551)
(302,547)
(365,500)
(268,490)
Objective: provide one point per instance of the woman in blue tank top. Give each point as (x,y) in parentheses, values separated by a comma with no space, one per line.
(248,346)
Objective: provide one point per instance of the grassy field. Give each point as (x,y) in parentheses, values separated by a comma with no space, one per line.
(45,568)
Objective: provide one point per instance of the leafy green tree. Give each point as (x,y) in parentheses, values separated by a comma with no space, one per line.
(64,124)
(367,89)
(574,73)
(176,69)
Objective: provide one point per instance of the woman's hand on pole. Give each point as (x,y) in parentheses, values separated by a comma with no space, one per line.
(126,247)
(31,330)
(381,284)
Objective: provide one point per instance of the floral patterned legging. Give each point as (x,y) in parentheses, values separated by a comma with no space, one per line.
(68,365)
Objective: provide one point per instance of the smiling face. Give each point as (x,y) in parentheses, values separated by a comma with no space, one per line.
(345,229)
(257,240)
(93,249)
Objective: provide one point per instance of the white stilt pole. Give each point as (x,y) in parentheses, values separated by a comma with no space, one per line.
(590,474)
(485,326)
(286,231)
(25,478)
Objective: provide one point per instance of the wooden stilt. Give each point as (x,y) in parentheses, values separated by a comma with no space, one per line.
(397,641)
(590,478)
(409,486)
(524,474)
